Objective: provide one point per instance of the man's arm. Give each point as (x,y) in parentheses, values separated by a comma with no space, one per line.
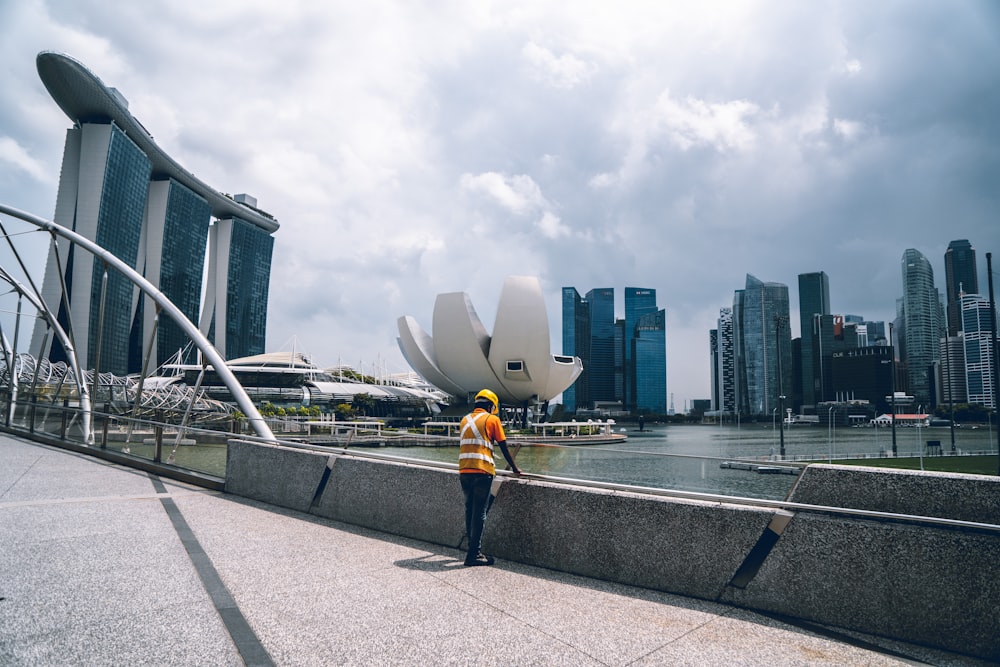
(510,459)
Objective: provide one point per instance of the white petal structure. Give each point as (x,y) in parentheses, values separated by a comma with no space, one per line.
(515,362)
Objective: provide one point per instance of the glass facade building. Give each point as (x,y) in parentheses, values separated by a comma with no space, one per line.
(185,222)
(814,299)
(922,325)
(608,348)
(960,277)
(978,337)
(575,342)
(602,344)
(766,346)
(639,301)
(649,358)
(120,190)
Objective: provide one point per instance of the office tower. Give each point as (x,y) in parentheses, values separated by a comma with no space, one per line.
(714,359)
(952,370)
(961,277)
(978,336)
(725,375)
(602,344)
(766,342)
(639,301)
(863,374)
(814,299)
(576,343)
(119,189)
(649,359)
(607,347)
(922,330)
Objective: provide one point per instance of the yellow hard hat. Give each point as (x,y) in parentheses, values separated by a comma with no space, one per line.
(488,395)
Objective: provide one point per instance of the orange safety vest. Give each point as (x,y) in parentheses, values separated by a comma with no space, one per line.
(475,453)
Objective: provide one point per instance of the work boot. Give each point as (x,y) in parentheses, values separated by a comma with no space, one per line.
(478,559)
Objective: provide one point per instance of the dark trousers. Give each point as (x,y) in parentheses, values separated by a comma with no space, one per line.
(476,488)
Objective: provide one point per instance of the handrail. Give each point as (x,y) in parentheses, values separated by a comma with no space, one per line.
(204,345)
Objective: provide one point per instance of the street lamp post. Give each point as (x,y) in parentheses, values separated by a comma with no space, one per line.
(920,448)
(778,321)
(993,349)
(829,432)
(892,366)
(774,413)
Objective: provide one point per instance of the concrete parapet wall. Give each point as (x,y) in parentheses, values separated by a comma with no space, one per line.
(923,584)
(686,547)
(938,494)
(277,475)
(935,585)
(423,503)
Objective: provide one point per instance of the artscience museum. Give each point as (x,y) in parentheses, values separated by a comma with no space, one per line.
(461,357)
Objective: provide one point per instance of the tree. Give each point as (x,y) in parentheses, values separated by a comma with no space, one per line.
(363,403)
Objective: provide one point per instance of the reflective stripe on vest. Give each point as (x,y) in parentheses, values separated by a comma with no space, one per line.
(476,448)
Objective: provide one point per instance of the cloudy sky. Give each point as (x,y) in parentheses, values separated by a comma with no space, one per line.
(414,148)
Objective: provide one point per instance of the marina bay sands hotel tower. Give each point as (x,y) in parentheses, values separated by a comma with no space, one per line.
(207,252)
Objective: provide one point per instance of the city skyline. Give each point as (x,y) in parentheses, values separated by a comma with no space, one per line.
(409,154)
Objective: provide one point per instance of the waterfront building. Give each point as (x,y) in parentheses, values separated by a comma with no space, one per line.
(514,361)
(765,357)
(961,277)
(576,342)
(814,299)
(723,375)
(649,360)
(639,301)
(979,348)
(862,374)
(602,345)
(613,374)
(951,370)
(118,188)
(922,323)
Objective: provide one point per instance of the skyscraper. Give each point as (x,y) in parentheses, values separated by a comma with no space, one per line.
(814,299)
(620,356)
(922,326)
(765,340)
(960,278)
(649,361)
(639,301)
(725,377)
(602,344)
(576,342)
(118,188)
(978,335)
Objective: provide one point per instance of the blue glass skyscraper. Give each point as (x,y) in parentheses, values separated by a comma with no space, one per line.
(621,357)
(765,356)
(922,325)
(576,343)
(649,347)
(961,277)
(814,299)
(602,344)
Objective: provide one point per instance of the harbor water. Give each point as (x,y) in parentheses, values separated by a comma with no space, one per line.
(690,457)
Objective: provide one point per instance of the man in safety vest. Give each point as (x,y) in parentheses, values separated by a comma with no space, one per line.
(480,430)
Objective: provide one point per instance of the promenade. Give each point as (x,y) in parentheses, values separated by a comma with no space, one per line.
(105,565)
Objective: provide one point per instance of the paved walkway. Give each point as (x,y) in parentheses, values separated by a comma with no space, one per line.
(105,565)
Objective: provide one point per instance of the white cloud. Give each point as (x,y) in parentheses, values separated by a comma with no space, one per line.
(565,71)
(518,194)
(692,122)
(13,153)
